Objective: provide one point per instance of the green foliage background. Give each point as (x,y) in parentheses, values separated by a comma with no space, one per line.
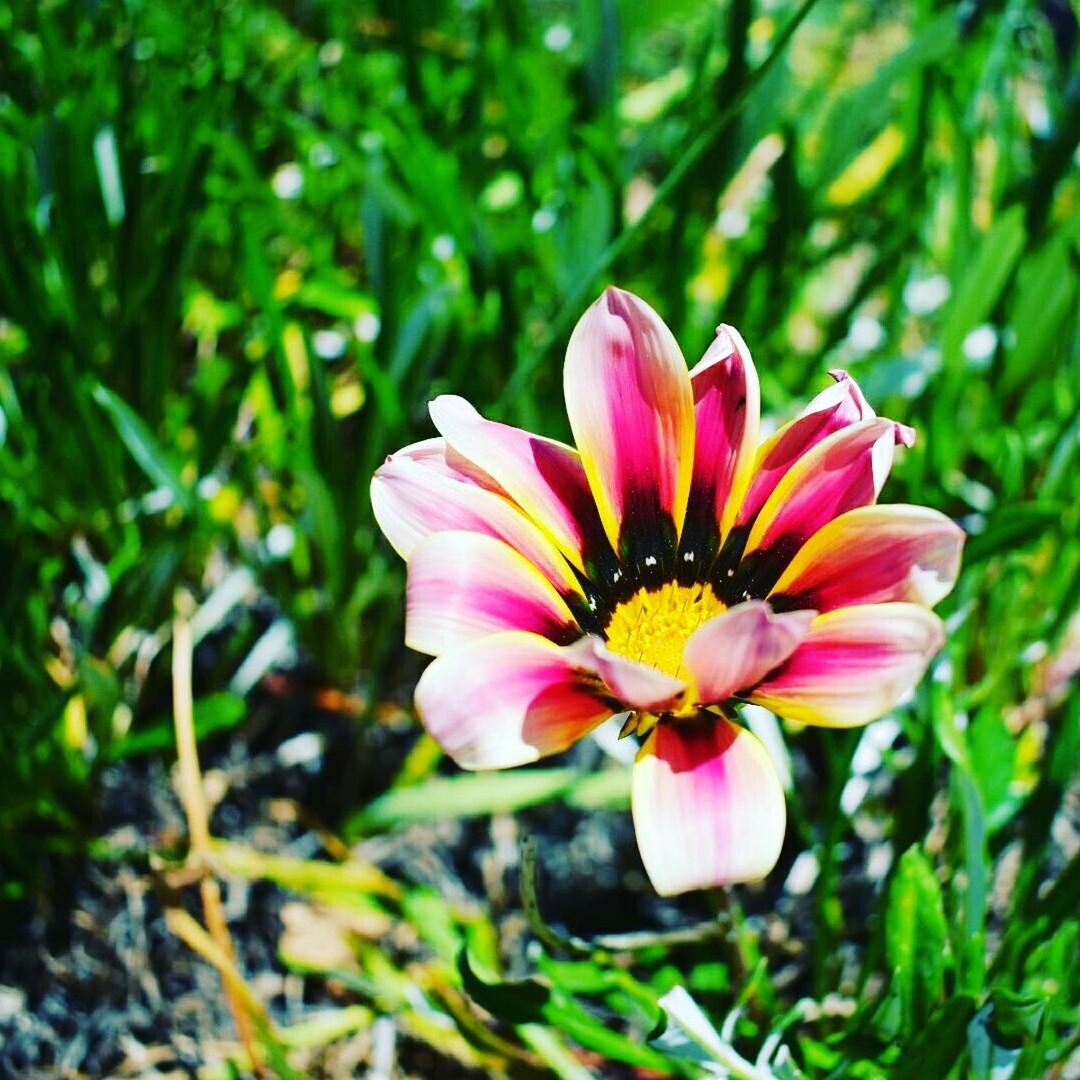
(244,243)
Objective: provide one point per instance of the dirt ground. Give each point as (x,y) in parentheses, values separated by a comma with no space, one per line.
(93,984)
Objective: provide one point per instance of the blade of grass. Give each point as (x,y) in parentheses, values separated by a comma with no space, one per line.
(142,445)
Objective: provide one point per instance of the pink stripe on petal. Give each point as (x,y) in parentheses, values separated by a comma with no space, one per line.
(545,478)
(466,585)
(635,685)
(708,806)
(509,699)
(738,648)
(412,500)
(842,472)
(854,665)
(631,410)
(874,555)
(836,407)
(727,405)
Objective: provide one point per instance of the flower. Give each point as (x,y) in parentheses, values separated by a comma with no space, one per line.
(667,569)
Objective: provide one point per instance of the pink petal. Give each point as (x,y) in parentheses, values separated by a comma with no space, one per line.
(436,455)
(636,685)
(545,478)
(737,649)
(726,410)
(466,585)
(842,472)
(509,699)
(873,555)
(631,409)
(412,499)
(708,805)
(834,409)
(854,665)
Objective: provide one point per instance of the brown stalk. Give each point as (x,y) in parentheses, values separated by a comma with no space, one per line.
(193,798)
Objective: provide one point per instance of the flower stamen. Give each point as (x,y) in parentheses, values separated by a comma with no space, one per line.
(653,625)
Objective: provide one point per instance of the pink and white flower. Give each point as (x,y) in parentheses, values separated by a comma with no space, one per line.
(668,568)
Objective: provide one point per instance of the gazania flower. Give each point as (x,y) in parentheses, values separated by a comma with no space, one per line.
(666,569)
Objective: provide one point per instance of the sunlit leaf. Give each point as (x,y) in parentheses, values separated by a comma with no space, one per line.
(915,937)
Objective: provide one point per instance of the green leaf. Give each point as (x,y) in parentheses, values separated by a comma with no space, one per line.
(934,1050)
(333,298)
(431,915)
(608,789)
(592,979)
(349,883)
(1017,1017)
(915,937)
(972,886)
(216,712)
(528,1001)
(580,1026)
(993,755)
(1046,298)
(475,794)
(545,1042)
(142,445)
(518,1002)
(1017,524)
(982,282)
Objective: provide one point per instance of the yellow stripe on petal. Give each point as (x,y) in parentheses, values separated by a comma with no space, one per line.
(727,408)
(464,585)
(874,555)
(745,454)
(413,498)
(544,477)
(836,407)
(854,665)
(631,410)
(841,472)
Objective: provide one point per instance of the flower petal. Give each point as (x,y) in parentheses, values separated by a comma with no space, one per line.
(854,665)
(636,685)
(631,409)
(737,649)
(412,499)
(842,472)
(509,699)
(708,805)
(873,555)
(465,585)
(834,409)
(436,455)
(545,478)
(727,405)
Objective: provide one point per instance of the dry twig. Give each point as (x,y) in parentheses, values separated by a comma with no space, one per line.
(193,798)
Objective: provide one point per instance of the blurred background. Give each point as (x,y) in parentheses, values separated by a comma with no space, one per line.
(244,243)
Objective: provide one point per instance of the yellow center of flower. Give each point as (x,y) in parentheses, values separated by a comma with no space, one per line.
(653,625)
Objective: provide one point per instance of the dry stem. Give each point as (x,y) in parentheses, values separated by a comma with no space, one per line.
(193,798)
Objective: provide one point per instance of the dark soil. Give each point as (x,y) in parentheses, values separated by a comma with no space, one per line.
(93,984)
